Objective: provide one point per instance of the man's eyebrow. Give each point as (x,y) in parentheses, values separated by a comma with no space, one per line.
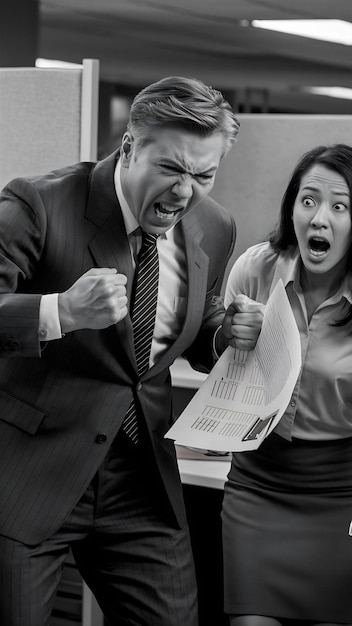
(182,166)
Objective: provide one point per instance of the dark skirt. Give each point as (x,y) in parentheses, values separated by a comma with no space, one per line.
(287,531)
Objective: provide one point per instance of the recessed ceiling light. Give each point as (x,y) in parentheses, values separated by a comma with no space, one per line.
(336,31)
(343,93)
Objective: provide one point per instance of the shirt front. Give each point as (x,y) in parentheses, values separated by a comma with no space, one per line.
(321,403)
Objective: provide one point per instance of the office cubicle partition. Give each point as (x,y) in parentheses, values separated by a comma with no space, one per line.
(48,118)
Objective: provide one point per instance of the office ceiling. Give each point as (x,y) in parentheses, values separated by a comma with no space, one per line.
(139,41)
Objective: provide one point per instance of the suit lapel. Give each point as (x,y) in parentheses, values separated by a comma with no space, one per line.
(109,246)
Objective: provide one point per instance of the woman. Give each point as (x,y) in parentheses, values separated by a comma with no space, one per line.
(287,511)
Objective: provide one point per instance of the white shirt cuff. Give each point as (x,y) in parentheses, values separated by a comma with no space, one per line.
(49,321)
(215,353)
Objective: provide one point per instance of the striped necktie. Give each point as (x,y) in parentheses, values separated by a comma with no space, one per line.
(145,295)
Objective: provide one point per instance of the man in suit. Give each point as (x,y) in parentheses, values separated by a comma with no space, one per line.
(71,474)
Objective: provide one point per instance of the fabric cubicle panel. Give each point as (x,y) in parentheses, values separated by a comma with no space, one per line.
(253,176)
(48,118)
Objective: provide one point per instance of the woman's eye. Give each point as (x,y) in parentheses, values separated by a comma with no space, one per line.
(307,201)
(339,206)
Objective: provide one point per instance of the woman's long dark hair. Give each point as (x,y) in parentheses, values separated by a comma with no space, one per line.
(337,157)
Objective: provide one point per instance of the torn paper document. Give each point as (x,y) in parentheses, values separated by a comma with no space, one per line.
(246,393)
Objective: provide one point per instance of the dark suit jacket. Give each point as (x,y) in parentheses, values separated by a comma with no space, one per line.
(57,399)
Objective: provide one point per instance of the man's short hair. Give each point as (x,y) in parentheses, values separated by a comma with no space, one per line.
(186,103)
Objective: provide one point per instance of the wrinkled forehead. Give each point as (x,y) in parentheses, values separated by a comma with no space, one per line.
(322,177)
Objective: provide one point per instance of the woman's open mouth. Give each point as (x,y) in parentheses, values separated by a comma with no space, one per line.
(318,247)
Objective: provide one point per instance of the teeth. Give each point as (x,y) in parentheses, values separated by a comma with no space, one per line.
(317,253)
(168,209)
(164,211)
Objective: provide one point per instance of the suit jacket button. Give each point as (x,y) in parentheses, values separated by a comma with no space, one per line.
(101,438)
(139,386)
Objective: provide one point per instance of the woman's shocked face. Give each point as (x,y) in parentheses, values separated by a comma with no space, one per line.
(322,219)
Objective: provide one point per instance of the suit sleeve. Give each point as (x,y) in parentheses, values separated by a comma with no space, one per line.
(22,236)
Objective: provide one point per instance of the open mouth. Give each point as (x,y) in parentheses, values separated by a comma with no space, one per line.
(318,246)
(166,211)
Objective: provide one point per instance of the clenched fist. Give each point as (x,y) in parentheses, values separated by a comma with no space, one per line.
(96,300)
(243,322)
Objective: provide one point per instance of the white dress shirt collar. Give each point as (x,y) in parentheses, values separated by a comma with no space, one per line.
(131,223)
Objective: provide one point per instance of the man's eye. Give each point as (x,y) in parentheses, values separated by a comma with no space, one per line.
(168,168)
(204,177)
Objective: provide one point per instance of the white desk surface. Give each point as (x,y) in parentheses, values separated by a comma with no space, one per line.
(197,472)
(183,375)
(204,473)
